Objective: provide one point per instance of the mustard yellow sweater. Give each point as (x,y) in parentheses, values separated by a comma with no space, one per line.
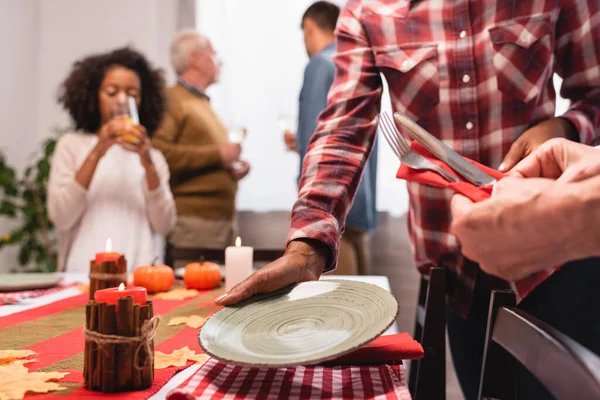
(188,138)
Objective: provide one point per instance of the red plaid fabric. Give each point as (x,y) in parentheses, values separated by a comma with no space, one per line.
(16,297)
(476,74)
(215,380)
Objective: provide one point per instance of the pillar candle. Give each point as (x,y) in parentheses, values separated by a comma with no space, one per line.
(238,263)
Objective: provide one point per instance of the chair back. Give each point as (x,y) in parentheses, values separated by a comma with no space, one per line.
(567,369)
(427,378)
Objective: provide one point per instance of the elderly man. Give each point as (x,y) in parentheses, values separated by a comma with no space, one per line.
(204,166)
(478,75)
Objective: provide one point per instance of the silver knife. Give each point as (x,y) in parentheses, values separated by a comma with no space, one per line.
(444,153)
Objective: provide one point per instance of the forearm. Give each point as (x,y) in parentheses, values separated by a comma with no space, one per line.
(88,168)
(152,178)
(183,158)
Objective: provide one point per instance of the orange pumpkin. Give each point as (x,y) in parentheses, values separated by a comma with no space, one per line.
(202,275)
(155,278)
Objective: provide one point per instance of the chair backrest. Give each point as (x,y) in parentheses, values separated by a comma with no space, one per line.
(567,369)
(218,255)
(427,379)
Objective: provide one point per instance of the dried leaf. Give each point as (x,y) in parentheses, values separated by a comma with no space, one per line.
(9,356)
(16,380)
(193,321)
(178,358)
(177,294)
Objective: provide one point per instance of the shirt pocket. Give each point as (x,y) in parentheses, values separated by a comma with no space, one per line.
(412,74)
(522,56)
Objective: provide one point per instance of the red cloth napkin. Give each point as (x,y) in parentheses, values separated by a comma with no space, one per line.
(389,349)
(463,187)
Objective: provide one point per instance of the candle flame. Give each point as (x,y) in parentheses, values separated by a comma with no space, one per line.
(121,287)
(108,246)
(238,242)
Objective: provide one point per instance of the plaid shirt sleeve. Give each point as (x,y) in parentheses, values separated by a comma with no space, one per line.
(577,62)
(343,139)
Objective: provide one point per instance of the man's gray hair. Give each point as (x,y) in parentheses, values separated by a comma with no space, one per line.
(185,42)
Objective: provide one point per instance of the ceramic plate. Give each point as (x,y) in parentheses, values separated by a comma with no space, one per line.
(31,281)
(303,324)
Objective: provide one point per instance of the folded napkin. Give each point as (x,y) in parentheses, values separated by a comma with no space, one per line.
(432,178)
(388,349)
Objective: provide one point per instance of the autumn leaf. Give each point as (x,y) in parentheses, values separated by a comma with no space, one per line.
(177,294)
(178,358)
(193,321)
(16,380)
(9,356)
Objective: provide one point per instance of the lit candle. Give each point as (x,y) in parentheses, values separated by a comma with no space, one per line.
(238,263)
(112,295)
(108,255)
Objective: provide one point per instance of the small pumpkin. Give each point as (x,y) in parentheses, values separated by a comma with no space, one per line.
(155,278)
(202,275)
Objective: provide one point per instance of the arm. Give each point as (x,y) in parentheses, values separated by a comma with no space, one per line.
(159,201)
(67,197)
(182,158)
(577,57)
(343,139)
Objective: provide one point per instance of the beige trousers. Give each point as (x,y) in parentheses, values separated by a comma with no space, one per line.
(354,254)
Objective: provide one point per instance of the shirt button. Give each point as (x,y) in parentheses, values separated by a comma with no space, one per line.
(462,34)
(469,125)
(466,78)
(406,64)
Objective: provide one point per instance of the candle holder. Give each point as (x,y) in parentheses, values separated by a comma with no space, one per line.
(119,346)
(107,274)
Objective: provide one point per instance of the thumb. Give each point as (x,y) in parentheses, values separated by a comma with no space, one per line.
(514,155)
(460,205)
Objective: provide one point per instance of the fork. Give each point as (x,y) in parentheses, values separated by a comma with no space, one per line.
(405,154)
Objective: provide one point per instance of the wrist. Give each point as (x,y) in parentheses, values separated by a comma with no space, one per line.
(568,129)
(316,252)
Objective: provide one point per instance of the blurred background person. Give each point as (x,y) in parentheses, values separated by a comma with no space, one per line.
(205,166)
(318,25)
(106,181)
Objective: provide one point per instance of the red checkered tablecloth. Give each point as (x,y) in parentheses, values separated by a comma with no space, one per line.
(216,380)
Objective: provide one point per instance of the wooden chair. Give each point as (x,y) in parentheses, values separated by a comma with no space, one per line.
(174,254)
(427,378)
(567,369)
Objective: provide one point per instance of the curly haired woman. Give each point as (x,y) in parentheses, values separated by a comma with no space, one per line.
(101,185)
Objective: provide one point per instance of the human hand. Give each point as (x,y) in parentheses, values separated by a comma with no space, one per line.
(301,262)
(560,159)
(230,153)
(527,226)
(535,136)
(108,135)
(135,139)
(240,170)
(289,139)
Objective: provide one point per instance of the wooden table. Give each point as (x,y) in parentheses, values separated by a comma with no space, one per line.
(18,312)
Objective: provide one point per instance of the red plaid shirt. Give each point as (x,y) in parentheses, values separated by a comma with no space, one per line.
(476,74)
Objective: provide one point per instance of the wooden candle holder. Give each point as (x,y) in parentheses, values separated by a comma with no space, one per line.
(119,346)
(107,274)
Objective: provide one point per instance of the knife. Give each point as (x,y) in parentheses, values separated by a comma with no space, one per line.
(454,160)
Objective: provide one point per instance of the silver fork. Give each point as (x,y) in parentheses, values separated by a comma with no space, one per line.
(405,154)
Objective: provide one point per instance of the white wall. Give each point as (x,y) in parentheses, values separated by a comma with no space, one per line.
(264,60)
(41,39)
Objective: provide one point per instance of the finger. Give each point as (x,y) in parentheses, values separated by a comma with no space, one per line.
(272,277)
(460,205)
(542,163)
(579,173)
(514,155)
